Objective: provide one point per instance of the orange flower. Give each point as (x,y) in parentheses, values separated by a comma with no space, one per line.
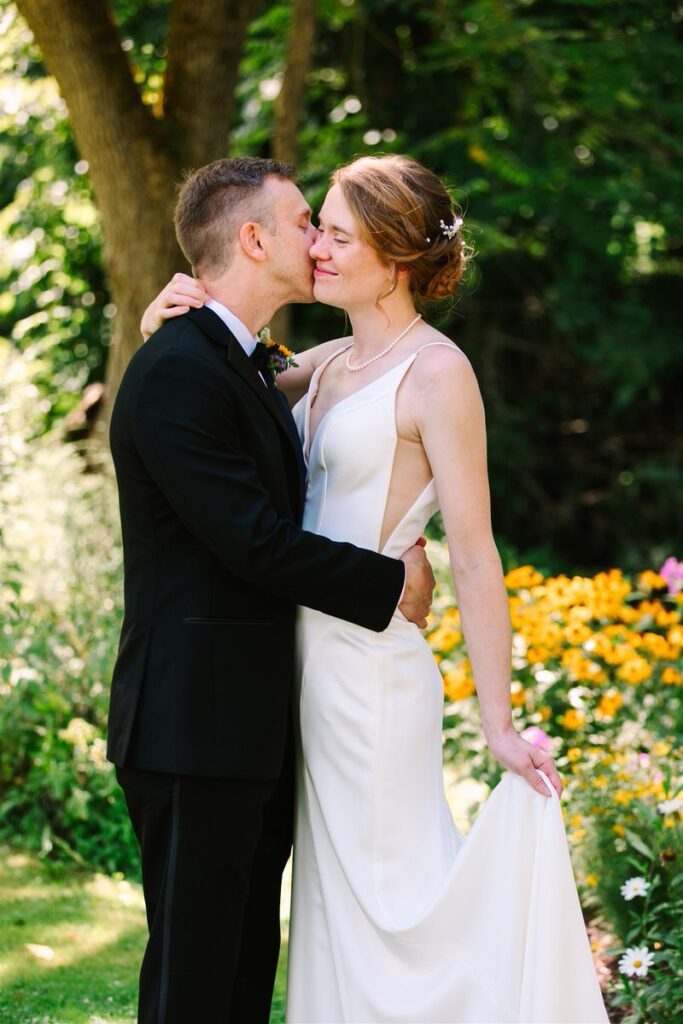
(517,694)
(523,576)
(610,702)
(572,719)
(634,671)
(458,684)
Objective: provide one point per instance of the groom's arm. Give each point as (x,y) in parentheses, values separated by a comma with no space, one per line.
(185,432)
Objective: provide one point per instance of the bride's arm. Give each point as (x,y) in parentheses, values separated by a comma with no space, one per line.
(449,416)
(294,382)
(174,299)
(183,292)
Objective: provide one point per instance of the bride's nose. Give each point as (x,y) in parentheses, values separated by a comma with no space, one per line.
(318,250)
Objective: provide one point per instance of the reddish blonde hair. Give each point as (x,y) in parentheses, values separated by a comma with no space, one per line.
(399,206)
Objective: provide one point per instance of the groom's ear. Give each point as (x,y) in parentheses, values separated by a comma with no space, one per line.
(250,238)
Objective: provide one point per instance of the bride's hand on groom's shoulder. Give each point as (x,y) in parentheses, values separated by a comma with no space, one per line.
(174,299)
(419,585)
(515,754)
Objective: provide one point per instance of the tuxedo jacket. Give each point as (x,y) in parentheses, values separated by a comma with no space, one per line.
(209,473)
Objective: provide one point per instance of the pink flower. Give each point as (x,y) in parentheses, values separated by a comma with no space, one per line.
(537,738)
(672,571)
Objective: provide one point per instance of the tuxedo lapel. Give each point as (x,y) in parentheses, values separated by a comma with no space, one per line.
(276,403)
(212,325)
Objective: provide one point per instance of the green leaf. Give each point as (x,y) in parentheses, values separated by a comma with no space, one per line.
(637,843)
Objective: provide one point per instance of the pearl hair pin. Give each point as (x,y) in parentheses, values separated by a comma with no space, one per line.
(449,230)
(384,352)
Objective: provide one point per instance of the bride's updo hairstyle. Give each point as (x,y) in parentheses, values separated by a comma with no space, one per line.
(406,215)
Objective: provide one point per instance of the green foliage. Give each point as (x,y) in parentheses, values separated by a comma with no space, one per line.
(558,130)
(624,797)
(597,662)
(60,606)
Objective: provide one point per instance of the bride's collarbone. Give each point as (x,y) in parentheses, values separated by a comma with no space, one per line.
(335,383)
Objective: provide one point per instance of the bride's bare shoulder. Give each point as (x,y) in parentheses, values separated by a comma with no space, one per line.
(437,354)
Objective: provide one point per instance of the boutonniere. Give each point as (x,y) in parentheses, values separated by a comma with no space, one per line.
(280,358)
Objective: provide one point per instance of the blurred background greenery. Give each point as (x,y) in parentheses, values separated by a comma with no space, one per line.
(557,126)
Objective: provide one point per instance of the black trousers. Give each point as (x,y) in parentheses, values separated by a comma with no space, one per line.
(213,852)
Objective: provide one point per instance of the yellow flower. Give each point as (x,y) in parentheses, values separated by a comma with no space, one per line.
(665,618)
(458,684)
(517,694)
(671,677)
(537,653)
(523,576)
(619,830)
(660,748)
(669,821)
(636,670)
(675,635)
(576,820)
(592,880)
(451,617)
(576,633)
(445,638)
(578,834)
(545,712)
(572,719)
(574,753)
(650,580)
(657,644)
(609,704)
(623,796)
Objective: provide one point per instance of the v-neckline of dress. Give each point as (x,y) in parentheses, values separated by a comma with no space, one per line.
(308,440)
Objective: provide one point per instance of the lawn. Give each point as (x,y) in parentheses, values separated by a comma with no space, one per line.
(71,944)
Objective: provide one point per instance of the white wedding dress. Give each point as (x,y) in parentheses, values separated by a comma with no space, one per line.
(396,917)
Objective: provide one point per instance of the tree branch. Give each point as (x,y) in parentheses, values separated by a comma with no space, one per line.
(205,40)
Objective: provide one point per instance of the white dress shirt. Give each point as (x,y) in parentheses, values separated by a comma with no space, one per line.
(247,340)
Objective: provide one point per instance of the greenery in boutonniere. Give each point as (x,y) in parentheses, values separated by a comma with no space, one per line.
(280,358)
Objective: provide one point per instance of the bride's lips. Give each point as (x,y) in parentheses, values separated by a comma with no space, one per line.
(319,272)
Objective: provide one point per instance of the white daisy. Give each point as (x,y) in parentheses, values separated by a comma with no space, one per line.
(636,960)
(670,806)
(634,887)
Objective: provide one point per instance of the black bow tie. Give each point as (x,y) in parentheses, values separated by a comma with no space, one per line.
(260,358)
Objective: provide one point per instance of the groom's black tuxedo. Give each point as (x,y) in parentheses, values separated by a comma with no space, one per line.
(210,485)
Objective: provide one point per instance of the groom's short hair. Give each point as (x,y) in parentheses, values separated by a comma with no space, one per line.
(213,203)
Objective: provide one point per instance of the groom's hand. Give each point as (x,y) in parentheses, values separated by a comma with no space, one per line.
(420,583)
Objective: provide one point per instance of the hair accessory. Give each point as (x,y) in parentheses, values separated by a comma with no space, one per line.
(450,230)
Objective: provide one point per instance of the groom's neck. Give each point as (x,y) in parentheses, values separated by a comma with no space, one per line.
(244,296)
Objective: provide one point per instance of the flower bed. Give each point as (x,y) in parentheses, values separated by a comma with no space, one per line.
(597,678)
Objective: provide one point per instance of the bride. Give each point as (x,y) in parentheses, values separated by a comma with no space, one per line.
(396,917)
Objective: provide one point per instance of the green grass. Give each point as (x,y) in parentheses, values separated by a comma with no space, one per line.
(95,928)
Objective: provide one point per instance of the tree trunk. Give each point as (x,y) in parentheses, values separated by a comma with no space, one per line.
(135,159)
(288,114)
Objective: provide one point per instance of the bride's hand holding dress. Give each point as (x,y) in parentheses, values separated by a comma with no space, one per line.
(442,407)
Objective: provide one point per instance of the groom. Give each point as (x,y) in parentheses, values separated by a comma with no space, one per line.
(211,484)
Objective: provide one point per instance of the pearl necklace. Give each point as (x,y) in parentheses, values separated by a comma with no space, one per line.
(384,352)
